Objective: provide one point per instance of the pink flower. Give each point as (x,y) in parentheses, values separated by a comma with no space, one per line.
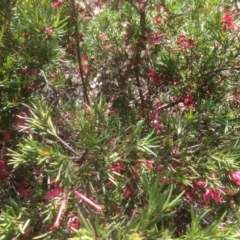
(159,19)
(31,86)
(158,103)
(157,124)
(182,39)
(73,222)
(185,42)
(62,206)
(56,4)
(235,176)
(117,167)
(48,31)
(213,175)
(84,59)
(148,163)
(227,21)
(201,183)
(155,38)
(53,76)
(103,36)
(97,207)
(53,193)
(211,194)
(152,73)
(142,5)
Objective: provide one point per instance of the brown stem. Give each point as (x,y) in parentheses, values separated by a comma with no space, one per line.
(136,70)
(67,146)
(79,55)
(221,69)
(140,46)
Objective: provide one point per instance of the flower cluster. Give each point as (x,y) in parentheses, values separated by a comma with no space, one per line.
(185,42)
(131,173)
(73,221)
(227,22)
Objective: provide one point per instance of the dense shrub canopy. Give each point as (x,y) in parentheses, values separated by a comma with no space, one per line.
(119,119)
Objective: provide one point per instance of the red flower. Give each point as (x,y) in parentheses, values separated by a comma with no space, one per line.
(73,221)
(154,76)
(190,43)
(53,193)
(116,209)
(38,171)
(185,42)
(23,72)
(235,176)
(6,136)
(211,194)
(3,172)
(117,167)
(152,73)
(182,39)
(148,163)
(62,206)
(227,22)
(158,103)
(97,207)
(128,193)
(189,196)
(25,192)
(31,86)
(155,38)
(33,72)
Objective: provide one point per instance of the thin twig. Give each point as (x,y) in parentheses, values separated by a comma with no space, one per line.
(79,55)
(222,69)
(67,146)
(140,46)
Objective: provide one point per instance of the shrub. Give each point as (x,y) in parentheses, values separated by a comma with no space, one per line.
(124,126)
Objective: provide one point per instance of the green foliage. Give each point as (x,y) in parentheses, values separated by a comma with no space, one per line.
(118,126)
